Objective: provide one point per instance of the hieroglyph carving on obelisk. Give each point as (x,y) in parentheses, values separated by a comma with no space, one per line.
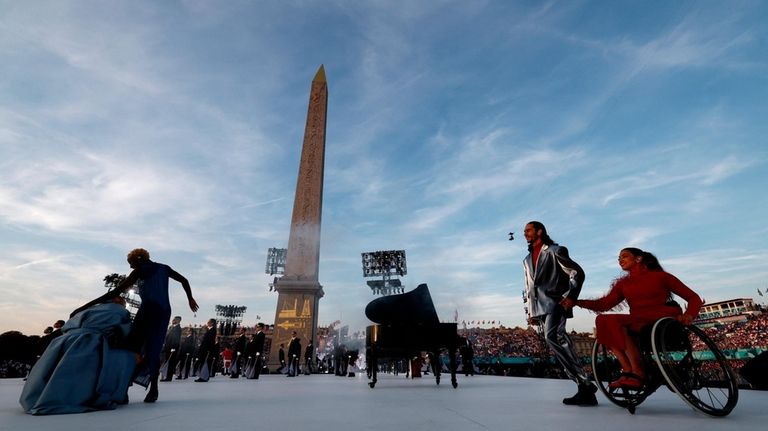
(299,291)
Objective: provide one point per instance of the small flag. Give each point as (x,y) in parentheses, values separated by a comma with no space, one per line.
(759,292)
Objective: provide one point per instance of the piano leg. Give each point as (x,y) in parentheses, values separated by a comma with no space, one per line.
(433,363)
(372,364)
(452,366)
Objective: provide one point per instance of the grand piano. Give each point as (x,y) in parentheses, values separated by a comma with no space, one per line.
(407,324)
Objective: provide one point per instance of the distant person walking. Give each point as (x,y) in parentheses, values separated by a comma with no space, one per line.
(255,351)
(281,358)
(207,352)
(551,276)
(239,354)
(309,354)
(186,354)
(467,355)
(171,347)
(294,355)
(149,325)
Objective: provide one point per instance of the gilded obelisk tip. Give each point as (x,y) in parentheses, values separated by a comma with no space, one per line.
(320,75)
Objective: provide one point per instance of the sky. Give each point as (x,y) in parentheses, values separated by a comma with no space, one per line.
(177,126)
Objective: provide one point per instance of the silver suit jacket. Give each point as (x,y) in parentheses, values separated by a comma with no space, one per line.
(555,277)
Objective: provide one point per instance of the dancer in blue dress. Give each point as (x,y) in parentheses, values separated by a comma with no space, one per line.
(86,368)
(149,325)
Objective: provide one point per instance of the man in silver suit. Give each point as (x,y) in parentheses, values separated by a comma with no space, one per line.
(552,277)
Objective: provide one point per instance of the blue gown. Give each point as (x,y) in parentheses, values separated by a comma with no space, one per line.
(80,371)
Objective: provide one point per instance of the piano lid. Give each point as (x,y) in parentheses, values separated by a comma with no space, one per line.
(412,307)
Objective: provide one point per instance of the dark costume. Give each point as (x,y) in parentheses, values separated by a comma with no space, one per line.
(171,349)
(281,358)
(309,352)
(467,355)
(255,355)
(206,354)
(238,356)
(647,293)
(186,353)
(84,369)
(149,325)
(294,353)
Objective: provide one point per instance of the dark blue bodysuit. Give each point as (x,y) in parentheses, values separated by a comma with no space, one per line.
(151,321)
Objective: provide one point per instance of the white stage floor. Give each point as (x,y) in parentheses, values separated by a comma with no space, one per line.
(326,402)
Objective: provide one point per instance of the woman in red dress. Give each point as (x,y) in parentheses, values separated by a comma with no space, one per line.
(648,289)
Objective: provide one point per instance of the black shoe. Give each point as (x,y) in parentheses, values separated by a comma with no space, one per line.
(584,397)
(151,397)
(200,380)
(166,379)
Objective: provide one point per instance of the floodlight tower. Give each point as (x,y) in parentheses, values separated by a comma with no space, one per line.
(389,265)
(230,317)
(275,264)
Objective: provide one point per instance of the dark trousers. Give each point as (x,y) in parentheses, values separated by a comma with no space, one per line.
(186,364)
(173,361)
(148,334)
(236,368)
(293,366)
(257,364)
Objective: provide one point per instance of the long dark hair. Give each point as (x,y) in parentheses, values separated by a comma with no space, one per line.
(648,260)
(545,239)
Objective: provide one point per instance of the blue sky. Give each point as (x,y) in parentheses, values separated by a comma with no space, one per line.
(177,126)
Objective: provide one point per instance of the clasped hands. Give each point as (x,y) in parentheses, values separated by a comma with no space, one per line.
(568,303)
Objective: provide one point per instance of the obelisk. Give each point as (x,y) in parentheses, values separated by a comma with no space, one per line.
(299,291)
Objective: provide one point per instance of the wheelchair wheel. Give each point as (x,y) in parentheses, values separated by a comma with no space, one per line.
(605,369)
(694,367)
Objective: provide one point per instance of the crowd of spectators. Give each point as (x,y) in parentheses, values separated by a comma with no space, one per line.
(11,368)
(749,334)
(507,342)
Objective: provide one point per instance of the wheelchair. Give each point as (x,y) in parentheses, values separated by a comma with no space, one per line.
(680,357)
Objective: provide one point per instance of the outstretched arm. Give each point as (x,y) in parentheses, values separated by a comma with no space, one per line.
(187,288)
(614,297)
(129,281)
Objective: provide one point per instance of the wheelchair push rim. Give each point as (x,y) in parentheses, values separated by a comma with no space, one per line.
(694,367)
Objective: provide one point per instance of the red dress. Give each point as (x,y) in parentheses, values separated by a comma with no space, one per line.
(646,292)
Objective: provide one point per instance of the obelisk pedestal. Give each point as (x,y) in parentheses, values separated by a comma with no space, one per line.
(299,291)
